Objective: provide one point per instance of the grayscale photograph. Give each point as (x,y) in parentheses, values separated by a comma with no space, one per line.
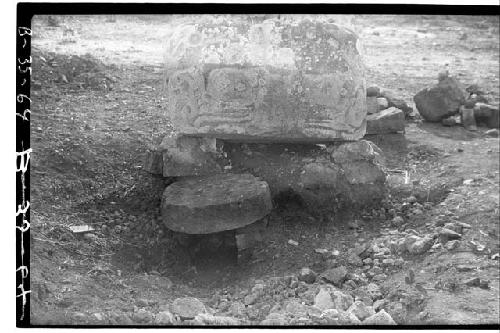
(262,170)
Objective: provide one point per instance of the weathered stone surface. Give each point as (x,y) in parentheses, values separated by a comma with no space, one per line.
(487,114)
(441,100)
(178,156)
(390,120)
(319,175)
(185,156)
(216,203)
(284,78)
(333,175)
(187,307)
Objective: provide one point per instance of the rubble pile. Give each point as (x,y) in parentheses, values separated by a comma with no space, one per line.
(451,103)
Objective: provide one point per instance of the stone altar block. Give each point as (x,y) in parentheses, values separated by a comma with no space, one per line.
(282,79)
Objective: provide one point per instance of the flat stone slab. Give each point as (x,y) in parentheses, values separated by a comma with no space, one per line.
(390,120)
(286,78)
(204,205)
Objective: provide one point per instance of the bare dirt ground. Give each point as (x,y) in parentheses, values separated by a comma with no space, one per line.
(97,94)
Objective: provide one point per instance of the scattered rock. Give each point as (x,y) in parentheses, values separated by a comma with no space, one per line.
(361,310)
(449,122)
(341,300)
(452,245)
(484,284)
(398,103)
(187,307)
(419,245)
(164,318)
(446,235)
(492,133)
(323,300)
(296,309)
(379,304)
(373,290)
(354,260)
(380,318)
(382,103)
(250,299)
(441,100)
(390,120)
(397,221)
(473,282)
(307,275)
(208,319)
(142,316)
(237,309)
(274,319)
(142,303)
(336,276)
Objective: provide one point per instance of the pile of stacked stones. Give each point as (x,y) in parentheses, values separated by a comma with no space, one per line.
(451,103)
(259,108)
(386,112)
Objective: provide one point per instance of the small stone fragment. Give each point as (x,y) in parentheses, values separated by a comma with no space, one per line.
(323,300)
(446,235)
(187,307)
(341,300)
(361,310)
(142,316)
(307,275)
(164,318)
(449,122)
(336,276)
(397,221)
(452,245)
(397,102)
(473,282)
(380,318)
(420,245)
(208,319)
(382,103)
(492,133)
